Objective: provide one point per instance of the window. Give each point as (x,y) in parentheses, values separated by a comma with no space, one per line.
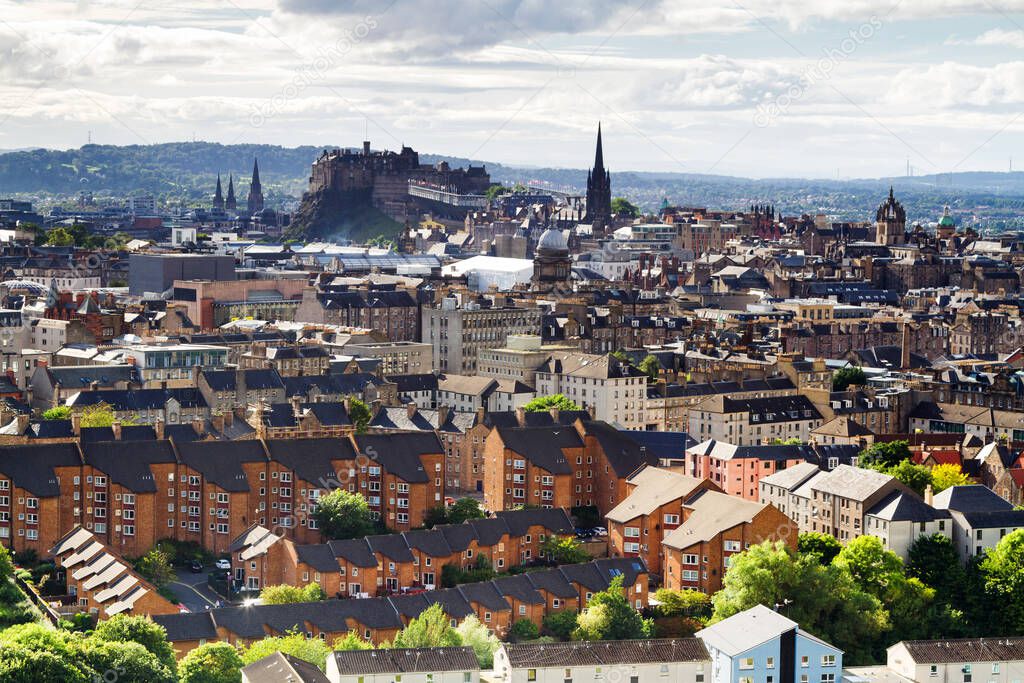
(671,519)
(828,678)
(770,663)
(747,663)
(828,660)
(732,546)
(531,674)
(805,661)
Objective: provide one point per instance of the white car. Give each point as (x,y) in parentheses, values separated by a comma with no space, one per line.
(223,564)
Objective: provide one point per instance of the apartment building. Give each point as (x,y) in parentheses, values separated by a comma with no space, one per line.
(753,421)
(610,389)
(979,518)
(457,333)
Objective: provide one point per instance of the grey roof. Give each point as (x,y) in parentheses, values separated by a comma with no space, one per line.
(605,652)
(280,667)
(792,477)
(405,660)
(220,462)
(960,650)
(401,454)
(970,498)
(32,467)
(746,630)
(129,467)
(855,483)
(542,446)
(311,459)
(901,506)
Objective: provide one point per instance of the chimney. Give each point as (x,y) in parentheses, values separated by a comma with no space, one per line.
(198,426)
(410,409)
(929,495)
(23,422)
(296,402)
(554,414)
(520,417)
(116,427)
(76,424)
(94,385)
(442,415)
(481,413)
(158,427)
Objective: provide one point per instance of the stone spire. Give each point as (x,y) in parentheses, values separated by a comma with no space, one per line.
(218,196)
(230,204)
(255,190)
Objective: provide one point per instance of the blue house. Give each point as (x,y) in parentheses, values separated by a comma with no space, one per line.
(762,646)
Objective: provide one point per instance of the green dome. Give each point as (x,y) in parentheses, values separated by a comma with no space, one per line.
(946,221)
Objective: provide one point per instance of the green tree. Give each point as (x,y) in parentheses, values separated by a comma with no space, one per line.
(60,237)
(359,413)
(101,415)
(341,515)
(887,454)
(211,663)
(542,403)
(934,560)
(351,641)
(823,546)
(463,510)
(523,629)
(564,550)
(314,650)
(845,377)
(137,629)
(1003,572)
(914,477)
(155,567)
(435,516)
(623,207)
(22,665)
(432,628)
(683,603)
(651,367)
(609,616)
(132,662)
(946,475)
(561,624)
(284,594)
(58,413)
(477,636)
(494,191)
(824,600)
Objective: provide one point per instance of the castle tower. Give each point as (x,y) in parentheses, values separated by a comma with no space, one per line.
(890,222)
(255,190)
(946,227)
(599,190)
(218,197)
(230,204)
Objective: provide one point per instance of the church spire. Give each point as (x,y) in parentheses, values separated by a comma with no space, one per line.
(218,195)
(599,153)
(230,204)
(255,190)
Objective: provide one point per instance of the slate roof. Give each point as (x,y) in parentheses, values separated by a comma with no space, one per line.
(311,459)
(662,445)
(405,660)
(654,487)
(712,513)
(970,498)
(31,467)
(400,454)
(900,506)
(283,667)
(84,375)
(605,652)
(220,462)
(135,400)
(624,454)
(542,446)
(129,467)
(959,650)
(414,383)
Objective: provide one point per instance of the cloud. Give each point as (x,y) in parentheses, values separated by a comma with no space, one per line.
(996,37)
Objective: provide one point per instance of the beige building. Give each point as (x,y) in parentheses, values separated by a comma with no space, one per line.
(753,421)
(611,390)
(457,333)
(518,359)
(396,357)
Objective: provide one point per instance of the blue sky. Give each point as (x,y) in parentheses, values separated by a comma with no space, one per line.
(765,88)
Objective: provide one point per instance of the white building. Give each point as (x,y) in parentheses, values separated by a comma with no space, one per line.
(980,518)
(622,661)
(483,272)
(616,392)
(992,660)
(408,665)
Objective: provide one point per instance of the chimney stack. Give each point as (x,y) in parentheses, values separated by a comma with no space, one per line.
(116,427)
(520,417)
(929,495)
(158,427)
(76,424)
(410,409)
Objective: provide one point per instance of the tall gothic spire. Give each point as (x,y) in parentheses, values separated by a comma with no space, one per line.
(218,196)
(230,202)
(599,154)
(255,190)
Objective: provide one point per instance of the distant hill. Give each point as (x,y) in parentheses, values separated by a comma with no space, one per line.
(187,171)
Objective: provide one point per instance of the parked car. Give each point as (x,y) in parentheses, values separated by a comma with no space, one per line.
(599,531)
(223,564)
(196,567)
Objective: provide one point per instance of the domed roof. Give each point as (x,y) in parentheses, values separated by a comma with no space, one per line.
(946,220)
(552,240)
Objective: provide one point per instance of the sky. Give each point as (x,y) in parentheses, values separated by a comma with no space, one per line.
(757,88)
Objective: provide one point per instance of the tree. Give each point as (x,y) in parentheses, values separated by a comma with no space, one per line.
(824,600)
(564,550)
(464,509)
(130,661)
(351,641)
(434,516)
(101,415)
(477,636)
(523,629)
(683,603)
(341,515)
(887,454)
(914,477)
(650,366)
(211,663)
(1003,572)
(561,624)
(934,560)
(155,567)
(284,594)
(359,413)
(623,207)
(58,413)
(609,616)
(432,628)
(947,475)
(542,403)
(314,651)
(137,629)
(845,377)
(822,546)
(22,665)
(494,191)
(60,237)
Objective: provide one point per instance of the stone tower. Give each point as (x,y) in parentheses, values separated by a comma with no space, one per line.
(599,190)
(230,203)
(890,222)
(218,197)
(255,190)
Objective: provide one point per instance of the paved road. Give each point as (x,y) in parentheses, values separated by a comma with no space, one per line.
(192,590)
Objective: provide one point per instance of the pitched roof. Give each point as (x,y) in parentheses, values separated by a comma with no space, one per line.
(542,446)
(970,498)
(311,459)
(31,467)
(283,667)
(712,513)
(654,487)
(220,462)
(624,454)
(605,652)
(401,454)
(900,506)
(855,483)
(746,630)
(129,467)
(959,650)
(405,660)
